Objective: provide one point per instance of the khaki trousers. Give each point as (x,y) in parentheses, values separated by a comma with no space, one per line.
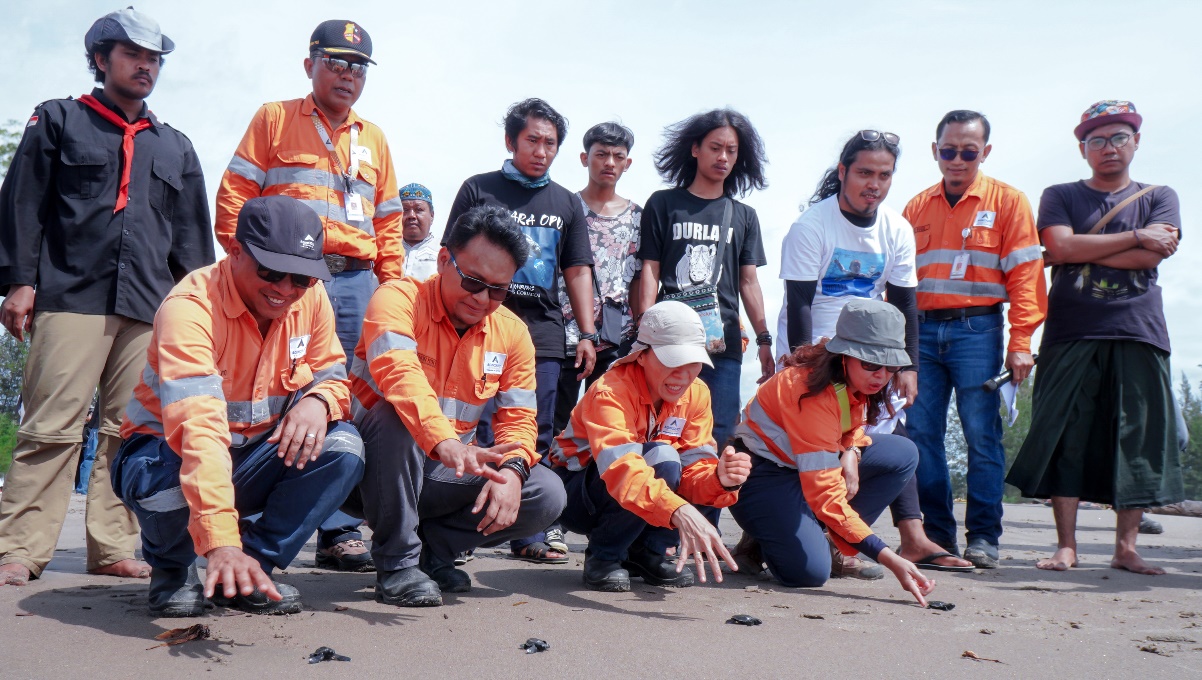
(69,356)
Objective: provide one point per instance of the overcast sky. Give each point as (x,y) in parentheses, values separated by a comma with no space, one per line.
(807,76)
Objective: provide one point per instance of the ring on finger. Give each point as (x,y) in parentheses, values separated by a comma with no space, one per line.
(311,436)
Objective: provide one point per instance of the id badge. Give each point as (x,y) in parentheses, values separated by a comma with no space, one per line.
(354,208)
(959,266)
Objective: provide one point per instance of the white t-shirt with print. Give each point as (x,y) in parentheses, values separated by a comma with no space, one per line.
(847,262)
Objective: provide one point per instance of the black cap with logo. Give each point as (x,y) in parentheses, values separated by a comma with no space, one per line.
(341,36)
(283,234)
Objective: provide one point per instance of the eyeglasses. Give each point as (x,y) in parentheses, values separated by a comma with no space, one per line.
(873,368)
(272,276)
(967,155)
(339,65)
(873,135)
(1118,141)
(474,285)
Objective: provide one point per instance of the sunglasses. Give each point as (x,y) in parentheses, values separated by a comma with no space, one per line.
(873,368)
(1118,141)
(473,285)
(873,135)
(968,155)
(339,65)
(272,276)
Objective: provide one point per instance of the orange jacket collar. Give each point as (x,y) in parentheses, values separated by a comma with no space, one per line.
(438,312)
(309,106)
(974,189)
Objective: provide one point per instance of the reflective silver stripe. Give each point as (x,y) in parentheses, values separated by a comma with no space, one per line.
(817,460)
(330,211)
(976,258)
(291,174)
(360,370)
(388,342)
(164,501)
(344,441)
(244,168)
(151,379)
(196,386)
(517,398)
(389,207)
(691,456)
(607,457)
(460,410)
(1021,256)
(755,413)
(254,412)
(140,417)
(468,437)
(357,410)
(965,288)
(335,372)
(661,453)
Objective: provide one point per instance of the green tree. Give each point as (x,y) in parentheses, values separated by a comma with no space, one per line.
(1191,458)
(12,353)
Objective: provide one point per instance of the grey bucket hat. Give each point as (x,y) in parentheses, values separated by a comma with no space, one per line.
(872,331)
(128,25)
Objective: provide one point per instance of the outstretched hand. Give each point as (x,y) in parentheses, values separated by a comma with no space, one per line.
(238,573)
(699,538)
(908,575)
(473,459)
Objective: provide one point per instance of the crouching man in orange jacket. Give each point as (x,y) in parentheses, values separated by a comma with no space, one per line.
(236,414)
(639,451)
(432,353)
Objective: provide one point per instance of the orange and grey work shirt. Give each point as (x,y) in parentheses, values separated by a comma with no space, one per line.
(283,153)
(808,436)
(411,355)
(213,381)
(983,251)
(611,426)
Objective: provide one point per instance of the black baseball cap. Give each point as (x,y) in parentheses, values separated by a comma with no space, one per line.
(341,36)
(283,234)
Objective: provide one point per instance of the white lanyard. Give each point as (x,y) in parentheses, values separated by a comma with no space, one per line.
(325,139)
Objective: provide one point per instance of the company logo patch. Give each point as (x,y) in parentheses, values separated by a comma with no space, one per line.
(308,242)
(673,426)
(351,33)
(298,346)
(494,363)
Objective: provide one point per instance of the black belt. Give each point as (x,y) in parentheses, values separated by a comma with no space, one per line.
(341,263)
(958,313)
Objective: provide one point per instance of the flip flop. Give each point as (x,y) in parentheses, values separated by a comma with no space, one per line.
(928,562)
(537,553)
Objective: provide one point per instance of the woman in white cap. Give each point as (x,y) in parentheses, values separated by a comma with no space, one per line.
(813,464)
(637,456)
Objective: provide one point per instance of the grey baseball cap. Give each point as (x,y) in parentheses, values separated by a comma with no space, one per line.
(283,234)
(131,26)
(674,332)
(872,331)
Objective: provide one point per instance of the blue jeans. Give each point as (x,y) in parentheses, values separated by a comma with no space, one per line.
(87,458)
(723,380)
(959,355)
(145,476)
(349,293)
(774,510)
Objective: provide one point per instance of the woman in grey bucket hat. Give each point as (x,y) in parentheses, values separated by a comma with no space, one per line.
(812,464)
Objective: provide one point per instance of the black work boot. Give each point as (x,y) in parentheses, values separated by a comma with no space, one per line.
(408,587)
(607,576)
(176,593)
(258,603)
(656,569)
(444,573)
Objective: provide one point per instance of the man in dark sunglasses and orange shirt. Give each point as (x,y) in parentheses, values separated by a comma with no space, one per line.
(977,249)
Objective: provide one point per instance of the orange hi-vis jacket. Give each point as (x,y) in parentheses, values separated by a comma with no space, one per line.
(411,355)
(808,435)
(617,417)
(213,381)
(1005,262)
(282,153)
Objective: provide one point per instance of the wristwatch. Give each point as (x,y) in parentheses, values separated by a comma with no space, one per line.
(518,465)
(591,337)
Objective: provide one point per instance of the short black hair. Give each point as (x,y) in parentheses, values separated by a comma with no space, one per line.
(105,49)
(962,116)
(518,115)
(609,134)
(676,164)
(830,183)
(495,224)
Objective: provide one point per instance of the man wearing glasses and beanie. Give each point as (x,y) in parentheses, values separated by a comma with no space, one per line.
(103,210)
(432,354)
(318,150)
(977,250)
(237,415)
(1103,422)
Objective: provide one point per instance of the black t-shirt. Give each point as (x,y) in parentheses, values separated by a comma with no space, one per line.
(1093,302)
(685,234)
(553,222)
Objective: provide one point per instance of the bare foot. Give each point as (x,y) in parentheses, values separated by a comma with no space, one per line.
(13,574)
(124,569)
(1061,561)
(917,551)
(1134,563)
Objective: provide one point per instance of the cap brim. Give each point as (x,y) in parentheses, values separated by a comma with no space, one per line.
(290,264)
(347,50)
(1085,127)
(674,356)
(873,354)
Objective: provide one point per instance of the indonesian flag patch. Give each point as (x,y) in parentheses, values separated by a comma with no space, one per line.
(33,120)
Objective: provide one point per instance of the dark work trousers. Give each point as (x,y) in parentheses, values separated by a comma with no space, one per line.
(773,509)
(415,504)
(568,392)
(290,502)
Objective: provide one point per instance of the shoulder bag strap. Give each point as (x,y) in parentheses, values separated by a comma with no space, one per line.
(1116,209)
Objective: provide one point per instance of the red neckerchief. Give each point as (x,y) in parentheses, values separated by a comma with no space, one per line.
(127,144)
